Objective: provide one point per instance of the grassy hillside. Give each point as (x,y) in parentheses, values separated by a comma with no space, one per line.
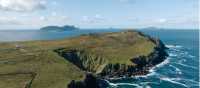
(53,64)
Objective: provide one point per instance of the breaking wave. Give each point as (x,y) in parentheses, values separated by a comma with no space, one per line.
(174,46)
(174,80)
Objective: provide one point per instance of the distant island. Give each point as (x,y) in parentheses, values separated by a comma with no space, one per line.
(58,28)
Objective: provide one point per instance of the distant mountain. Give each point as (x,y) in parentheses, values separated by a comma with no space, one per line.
(57,28)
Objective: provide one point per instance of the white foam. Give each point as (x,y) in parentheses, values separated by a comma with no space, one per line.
(111,84)
(174,46)
(172,55)
(153,69)
(115,85)
(184,60)
(148,86)
(117,78)
(130,84)
(118,84)
(191,56)
(166,61)
(184,53)
(190,80)
(172,80)
(152,72)
(186,66)
(176,69)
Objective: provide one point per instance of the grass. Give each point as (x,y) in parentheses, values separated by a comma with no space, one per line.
(15,80)
(54,71)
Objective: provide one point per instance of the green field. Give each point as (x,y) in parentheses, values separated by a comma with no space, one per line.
(40,64)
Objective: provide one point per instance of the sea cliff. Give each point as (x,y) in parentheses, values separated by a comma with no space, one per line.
(97,68)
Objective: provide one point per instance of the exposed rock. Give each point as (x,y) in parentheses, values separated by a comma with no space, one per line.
(90,81)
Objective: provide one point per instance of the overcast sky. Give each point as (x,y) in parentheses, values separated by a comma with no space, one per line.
(33,14)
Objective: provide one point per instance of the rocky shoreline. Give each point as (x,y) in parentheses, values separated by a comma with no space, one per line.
(156,57)
(112,71)
(144,64)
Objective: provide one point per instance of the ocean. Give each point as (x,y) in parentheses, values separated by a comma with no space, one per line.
(179,70)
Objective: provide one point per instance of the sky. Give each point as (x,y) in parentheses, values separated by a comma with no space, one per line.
(33,14)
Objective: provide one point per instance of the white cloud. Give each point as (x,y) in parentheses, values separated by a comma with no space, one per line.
(22,5)
(127,1)
(9,21)
(32,21)
(166,22)
(53,13)
(124,0)
(162,20)
(85,18)
(93,19)
(43,18)
(98,16)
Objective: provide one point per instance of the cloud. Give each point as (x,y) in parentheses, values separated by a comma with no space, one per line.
(22,5)
(43,18)
(162,20)
(177,20)
(36,21)
(166,22)
(127,1)
(9,21)
(53,13)
(93,19)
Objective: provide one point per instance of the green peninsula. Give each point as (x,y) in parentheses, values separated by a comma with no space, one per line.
(65,63)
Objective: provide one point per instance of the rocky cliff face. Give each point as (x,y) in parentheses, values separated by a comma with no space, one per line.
(143,64)
(90,82)
(83,59)
(100,68)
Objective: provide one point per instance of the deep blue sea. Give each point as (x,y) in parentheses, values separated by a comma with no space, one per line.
(179,70)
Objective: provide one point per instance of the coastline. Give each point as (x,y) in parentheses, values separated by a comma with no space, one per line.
(158,56)
(145,72)
(171,70)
